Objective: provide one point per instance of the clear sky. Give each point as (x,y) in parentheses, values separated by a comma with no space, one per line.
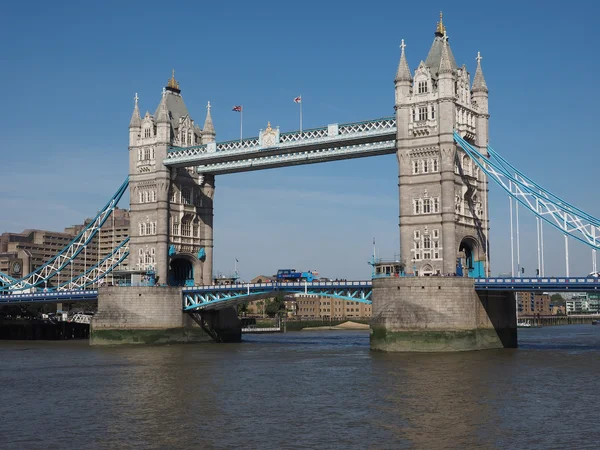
(70,71)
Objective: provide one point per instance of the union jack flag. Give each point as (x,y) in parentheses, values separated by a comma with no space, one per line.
(298,99)
(237,108)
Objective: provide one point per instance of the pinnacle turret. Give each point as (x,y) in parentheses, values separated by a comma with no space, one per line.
(208,123)
(445,63)
(403,72)
(163,112)
(136,120)
(479,84)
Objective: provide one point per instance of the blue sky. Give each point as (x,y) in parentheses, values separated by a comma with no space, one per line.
(71,69)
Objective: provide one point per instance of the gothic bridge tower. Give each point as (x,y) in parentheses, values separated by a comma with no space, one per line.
(443,194)
(171,228)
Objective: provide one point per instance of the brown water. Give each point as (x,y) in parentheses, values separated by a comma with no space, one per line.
(303,390)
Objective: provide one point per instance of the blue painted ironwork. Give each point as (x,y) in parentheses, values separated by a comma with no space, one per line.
(548,207)
(50,297)
(343,141)
(220,296)
(67,255)
(543,284)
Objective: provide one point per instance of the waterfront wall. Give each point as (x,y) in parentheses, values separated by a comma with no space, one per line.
(440,314)
(142,315)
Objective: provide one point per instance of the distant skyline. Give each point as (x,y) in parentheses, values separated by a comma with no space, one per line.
(71,71)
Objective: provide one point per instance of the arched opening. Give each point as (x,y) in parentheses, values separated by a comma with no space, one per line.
(470,259)
(426,270)
(181,273)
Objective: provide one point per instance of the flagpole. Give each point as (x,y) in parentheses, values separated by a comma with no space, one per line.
(241,123)
(300,114)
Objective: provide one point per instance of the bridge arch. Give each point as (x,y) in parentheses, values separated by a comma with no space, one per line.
(181,270)
(472,256)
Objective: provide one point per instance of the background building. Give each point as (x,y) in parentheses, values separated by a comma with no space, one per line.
(530,303)
(22,253)
(584,303)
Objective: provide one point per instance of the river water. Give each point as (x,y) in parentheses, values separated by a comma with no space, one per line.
(303,390)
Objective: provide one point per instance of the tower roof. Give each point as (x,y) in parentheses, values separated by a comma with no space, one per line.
(175,107)
(403,72)
(478,81)
(435,52)
(136,120)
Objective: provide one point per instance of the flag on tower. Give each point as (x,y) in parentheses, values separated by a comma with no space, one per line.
(298,99)
(237,108)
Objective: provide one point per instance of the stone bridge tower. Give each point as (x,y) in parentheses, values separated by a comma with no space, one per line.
(443,194)
(171,227)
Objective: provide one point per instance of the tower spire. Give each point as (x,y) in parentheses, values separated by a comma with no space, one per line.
(136,120)
(441,29)
(479,84)
(209,128)
(163,111)
(403,72)
(173,84)
(445,64)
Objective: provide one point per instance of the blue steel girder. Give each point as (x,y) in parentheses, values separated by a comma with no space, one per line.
(67,255)
(335,141)
(50,297)
(538,284)
(216,297)
(564,217)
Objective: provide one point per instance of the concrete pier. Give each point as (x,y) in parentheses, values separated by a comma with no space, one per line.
(440,314)
(142,315)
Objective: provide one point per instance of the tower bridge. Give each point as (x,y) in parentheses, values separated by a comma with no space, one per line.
(439,134)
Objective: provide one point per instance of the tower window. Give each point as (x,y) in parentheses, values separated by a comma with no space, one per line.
(417,234)
(436,205)
(417,206)
(415,167)
(436,234)
(147,132)
(432,111)
(422,87)
(426,206)
(186,229)
(425,166)
(426,242)
(187,196)
(423,113)
(434,165)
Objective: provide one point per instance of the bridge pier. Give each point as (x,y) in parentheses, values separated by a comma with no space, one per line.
(440,314)
(221,325)
(142,315)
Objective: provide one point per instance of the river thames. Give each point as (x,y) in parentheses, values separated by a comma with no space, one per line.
(303,390)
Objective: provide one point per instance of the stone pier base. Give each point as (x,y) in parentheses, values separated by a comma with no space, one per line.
(440,314)
(143,315)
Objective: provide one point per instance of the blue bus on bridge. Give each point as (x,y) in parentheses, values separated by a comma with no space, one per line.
(293,275)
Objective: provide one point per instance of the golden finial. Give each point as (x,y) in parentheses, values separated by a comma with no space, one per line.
(268,126)
(440,26)
(173,84)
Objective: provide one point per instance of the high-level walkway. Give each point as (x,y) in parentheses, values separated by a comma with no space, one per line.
(275,149)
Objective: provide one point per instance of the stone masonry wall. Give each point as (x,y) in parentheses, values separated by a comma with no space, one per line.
(145,315)
(439,314)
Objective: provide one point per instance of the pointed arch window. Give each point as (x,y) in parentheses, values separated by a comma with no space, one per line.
(432,111)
